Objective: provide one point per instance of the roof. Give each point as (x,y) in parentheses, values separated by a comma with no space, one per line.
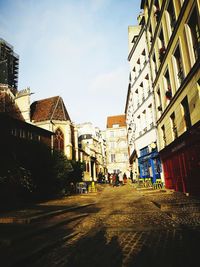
(117,119)
(52,108)
(8,106)
(9,122)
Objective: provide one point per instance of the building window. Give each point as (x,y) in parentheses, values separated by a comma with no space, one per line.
(179,65)
(139,124)
(161,44)
(174,127)
(59,140)
(115,126)
(194,29)
(125,157)
(168,90)
(156,10)
(112,157)
(122,133)
(163,135)
(87,167)
(159,100)
(150,35)
(186,113)
(144,120)
(111,133)
(172,15)
(150,115)
(112,144)
(154,65)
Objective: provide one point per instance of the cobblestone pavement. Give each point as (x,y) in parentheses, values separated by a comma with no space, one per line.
(126,229)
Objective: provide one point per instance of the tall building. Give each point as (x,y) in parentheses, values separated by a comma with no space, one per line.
(92,148)
(116,144)
(140,107)
(173,37)
(9,63)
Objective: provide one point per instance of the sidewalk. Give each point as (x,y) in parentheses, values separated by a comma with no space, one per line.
(136,224)
(185,210)
(19,224)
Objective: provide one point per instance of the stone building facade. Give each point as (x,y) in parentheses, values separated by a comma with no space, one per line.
(140,108)
(116,145)
(173,38)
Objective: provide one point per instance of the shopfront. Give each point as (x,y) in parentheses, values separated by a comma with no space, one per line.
(149,164)
(181,162)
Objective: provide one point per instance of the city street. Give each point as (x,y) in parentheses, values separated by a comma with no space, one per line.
(119,226)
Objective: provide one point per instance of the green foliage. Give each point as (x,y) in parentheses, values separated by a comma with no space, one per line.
(32,170)
(61,169)
(77,174)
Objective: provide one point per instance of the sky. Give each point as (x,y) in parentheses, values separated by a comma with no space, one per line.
(76,49)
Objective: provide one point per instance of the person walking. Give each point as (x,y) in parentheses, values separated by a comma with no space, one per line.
(117,179)
(131,176)
(125,178)
(120,178)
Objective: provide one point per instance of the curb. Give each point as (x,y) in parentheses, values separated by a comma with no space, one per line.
(37,218)
(6,243)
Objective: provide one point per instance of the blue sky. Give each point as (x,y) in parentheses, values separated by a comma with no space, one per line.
(73,48)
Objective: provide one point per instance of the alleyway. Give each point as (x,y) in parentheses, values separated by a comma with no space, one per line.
(126,228)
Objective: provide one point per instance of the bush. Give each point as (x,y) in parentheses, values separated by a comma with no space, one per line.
(30,169)
(77,174)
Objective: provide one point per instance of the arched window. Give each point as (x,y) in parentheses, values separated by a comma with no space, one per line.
(59,140)
(87,167)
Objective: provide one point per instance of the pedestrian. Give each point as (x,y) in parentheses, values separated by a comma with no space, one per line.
(131,176)
(124,178)
(113,179)
(116,179)
(109,177)
(120,178)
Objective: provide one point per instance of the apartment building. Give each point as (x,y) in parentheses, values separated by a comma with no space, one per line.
(140,107)
(173,38)
(92,149)
(116,144)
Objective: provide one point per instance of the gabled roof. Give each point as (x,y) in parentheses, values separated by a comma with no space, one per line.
(117,119)
(52,108)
